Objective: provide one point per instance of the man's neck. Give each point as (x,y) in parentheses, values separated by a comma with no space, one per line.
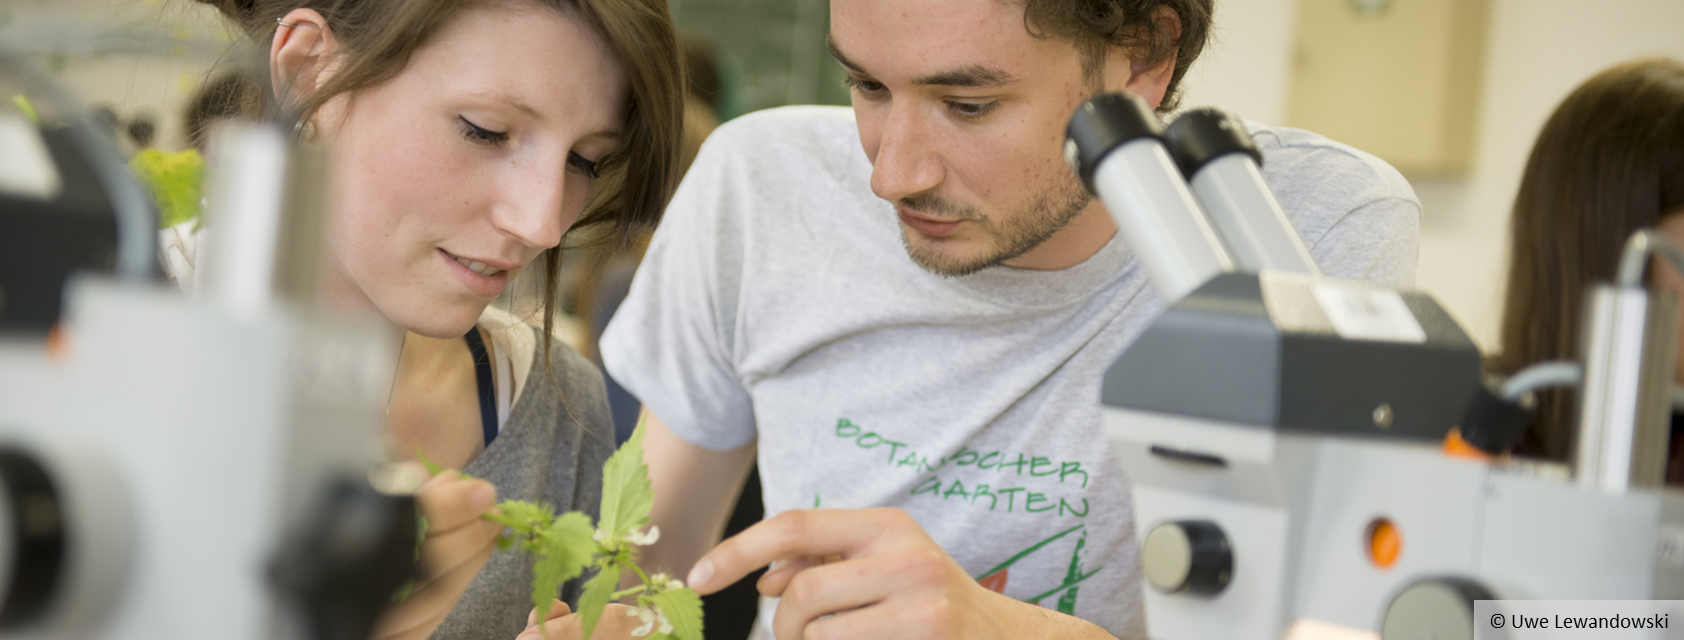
(1076,242)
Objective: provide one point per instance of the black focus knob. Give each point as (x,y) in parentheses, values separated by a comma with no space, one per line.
(342,564)
(1187,556)
(31,509)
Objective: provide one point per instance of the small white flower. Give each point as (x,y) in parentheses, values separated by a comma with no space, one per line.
(648,618)
(666,625)
(600,537)
(646,538)
(675,584)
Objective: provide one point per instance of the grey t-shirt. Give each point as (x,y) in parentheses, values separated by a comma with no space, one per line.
(777,304)
(550,451)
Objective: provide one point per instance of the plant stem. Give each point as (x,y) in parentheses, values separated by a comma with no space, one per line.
(615,597)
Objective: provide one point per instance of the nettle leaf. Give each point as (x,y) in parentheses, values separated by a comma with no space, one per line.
(627,495)
(598,590)
(683,608)
(523,516)
(565,549)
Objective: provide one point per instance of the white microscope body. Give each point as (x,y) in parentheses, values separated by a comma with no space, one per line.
(1280,429)
(171,468)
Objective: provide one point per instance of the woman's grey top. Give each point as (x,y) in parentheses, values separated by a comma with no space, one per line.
(544,452)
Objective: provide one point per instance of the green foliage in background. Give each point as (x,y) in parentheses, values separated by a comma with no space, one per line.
(176,181)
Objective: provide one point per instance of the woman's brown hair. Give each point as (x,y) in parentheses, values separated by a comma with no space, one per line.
(377,37)
(1610,161)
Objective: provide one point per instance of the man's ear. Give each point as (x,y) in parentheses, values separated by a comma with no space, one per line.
(300,56)
(1128,70)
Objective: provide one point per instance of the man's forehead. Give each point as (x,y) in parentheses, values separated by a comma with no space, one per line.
(919,39)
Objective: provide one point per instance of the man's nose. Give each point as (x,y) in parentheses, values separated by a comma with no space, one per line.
(907,162)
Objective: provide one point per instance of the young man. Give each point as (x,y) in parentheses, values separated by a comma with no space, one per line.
(911,338)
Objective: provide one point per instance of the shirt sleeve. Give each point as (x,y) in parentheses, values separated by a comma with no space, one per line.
(1358,216)
(672,342)
(1377,242)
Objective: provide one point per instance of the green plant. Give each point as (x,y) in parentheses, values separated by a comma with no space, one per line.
(561,547)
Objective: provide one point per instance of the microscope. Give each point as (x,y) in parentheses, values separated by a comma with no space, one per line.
(1281,429)
(173,468)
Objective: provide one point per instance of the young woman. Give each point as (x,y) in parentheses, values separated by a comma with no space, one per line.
(467,138)
(1609,161)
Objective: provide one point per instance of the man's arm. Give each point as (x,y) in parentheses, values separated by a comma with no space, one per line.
(882,577)
(694,491)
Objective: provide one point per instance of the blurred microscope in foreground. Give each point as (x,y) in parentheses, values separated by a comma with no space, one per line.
(171,469)
(1281,429)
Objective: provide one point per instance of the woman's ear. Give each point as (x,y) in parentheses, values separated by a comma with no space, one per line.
(1126,71)
(300,57)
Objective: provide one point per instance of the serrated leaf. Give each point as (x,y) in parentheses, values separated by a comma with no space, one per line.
(683,608)
(627,495)
(565,551)
(596,595)
(522,515)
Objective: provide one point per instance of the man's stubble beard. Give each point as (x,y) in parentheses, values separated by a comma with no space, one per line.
(1019,234)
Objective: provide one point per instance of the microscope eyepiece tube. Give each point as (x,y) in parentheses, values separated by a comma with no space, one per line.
(1219,159)
(1116,144)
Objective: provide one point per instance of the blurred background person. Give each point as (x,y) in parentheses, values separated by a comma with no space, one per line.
(1609,162)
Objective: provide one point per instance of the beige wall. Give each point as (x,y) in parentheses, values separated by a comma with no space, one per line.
(1539,50)
(135,56)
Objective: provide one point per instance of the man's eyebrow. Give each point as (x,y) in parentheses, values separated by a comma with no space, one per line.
(830,43)
(974,75)
(971,75)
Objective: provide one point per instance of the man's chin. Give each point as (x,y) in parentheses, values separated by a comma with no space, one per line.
(946,258)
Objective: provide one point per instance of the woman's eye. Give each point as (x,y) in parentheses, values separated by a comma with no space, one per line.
(972,110)
(481,135)
(587,167)
(867,87)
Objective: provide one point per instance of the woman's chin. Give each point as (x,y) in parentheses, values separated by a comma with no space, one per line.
(445,323)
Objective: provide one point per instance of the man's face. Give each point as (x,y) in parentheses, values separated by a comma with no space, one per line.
(962,114)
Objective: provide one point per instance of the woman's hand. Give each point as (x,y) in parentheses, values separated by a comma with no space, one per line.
(457,544)
(618,621)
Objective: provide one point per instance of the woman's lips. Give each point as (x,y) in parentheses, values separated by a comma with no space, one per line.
(932,228)
(486,285)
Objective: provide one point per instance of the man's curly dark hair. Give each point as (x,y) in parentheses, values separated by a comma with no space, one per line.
(1094,26)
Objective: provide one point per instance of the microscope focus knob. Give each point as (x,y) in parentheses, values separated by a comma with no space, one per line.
(1438,607)
(1187,556)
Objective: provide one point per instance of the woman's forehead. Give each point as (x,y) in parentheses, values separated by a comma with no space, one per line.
(541,62)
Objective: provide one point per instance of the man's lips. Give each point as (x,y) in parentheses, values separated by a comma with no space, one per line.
(927,226)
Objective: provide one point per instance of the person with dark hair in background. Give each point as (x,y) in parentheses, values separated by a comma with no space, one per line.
(232,96)
(466,140)
(902,311)
(1609,161)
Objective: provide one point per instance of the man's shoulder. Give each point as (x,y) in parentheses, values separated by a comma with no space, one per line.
(804,129)
(1295,159)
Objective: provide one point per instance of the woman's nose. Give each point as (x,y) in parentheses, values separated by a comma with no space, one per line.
(530,209)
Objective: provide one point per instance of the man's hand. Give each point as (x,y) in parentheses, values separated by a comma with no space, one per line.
(871,573)
(456,546)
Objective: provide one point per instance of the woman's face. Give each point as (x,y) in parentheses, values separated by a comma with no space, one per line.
(451,177)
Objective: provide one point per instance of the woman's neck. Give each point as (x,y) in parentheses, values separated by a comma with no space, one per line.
(434,407)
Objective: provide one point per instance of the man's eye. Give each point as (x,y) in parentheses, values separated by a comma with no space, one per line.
(862,86)
(481,135)
(972,110)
